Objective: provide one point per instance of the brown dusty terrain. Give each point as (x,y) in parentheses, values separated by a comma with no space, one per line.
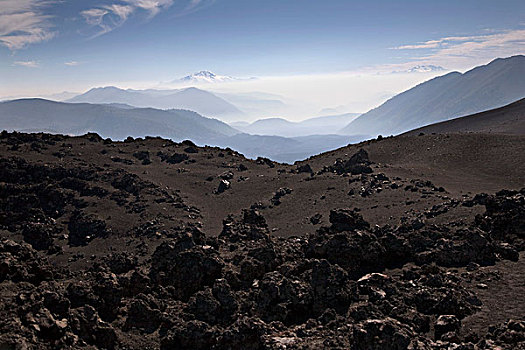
(505,120)
(149,244)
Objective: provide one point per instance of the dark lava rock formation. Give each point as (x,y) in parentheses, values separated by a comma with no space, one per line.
(98,255)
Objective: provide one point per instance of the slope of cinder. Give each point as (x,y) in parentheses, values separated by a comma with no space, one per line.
(153,244)
(509,120)
(459,162)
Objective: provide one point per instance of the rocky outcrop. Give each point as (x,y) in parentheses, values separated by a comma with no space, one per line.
(355,165)
(71,277)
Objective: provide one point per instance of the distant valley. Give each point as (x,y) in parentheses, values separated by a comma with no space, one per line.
(281,127)
(118,121)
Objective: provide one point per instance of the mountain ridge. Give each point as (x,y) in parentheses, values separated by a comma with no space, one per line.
(323,125)
(509,120)
(191,98)
(118,123)
(451,95)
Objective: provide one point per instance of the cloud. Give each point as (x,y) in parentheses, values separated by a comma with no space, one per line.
(431,44)
(152,6)
(122,11)
(460,52)
(22,22)
(424,45)
(28,64)
(95,17)
(72,63)
(110,17)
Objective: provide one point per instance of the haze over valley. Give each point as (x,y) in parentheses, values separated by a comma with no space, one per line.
(219,119)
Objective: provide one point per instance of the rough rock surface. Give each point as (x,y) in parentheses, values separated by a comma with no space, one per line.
(108,256)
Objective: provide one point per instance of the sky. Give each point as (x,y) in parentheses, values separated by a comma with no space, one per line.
(336,52)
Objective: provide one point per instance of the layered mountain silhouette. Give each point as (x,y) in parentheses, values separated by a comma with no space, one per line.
(114,121)
(116,113)
(118,121)
(200,101)
(450,96)
(281,127)
(257,103)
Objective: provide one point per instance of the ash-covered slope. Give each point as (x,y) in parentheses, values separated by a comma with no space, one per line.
(450,96)
(508,120)
(151,244)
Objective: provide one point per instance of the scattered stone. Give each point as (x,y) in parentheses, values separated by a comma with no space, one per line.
(242,167)
(223,186)
(280,193)
(316,219)
(265,161)
(357,164)
(347,220)
(143,156)
(445,324)
(191,149)
(174,158)
(228,175)
(163,283)
(122,160)
(305,168)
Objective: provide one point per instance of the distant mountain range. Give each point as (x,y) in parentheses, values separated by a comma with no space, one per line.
(178,114)
(197,100)
(281,127)
(256,103)
(446,97)
(114,121)
(118,121)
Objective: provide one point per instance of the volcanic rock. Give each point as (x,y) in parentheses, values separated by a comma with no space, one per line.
(445,324)
(100,254)
(223,186)
(357,164)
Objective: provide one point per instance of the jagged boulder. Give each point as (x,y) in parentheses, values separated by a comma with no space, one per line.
(279,298)
(357,164)
(382,334)
(86,323)
(445,324)
(251,226)
(185,268)
(347,220)
(223,186)
(40,235)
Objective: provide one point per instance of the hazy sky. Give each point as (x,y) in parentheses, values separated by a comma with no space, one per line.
(48,46)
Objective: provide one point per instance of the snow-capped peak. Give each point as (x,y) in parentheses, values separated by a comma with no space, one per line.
(207,77)
(425,69)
